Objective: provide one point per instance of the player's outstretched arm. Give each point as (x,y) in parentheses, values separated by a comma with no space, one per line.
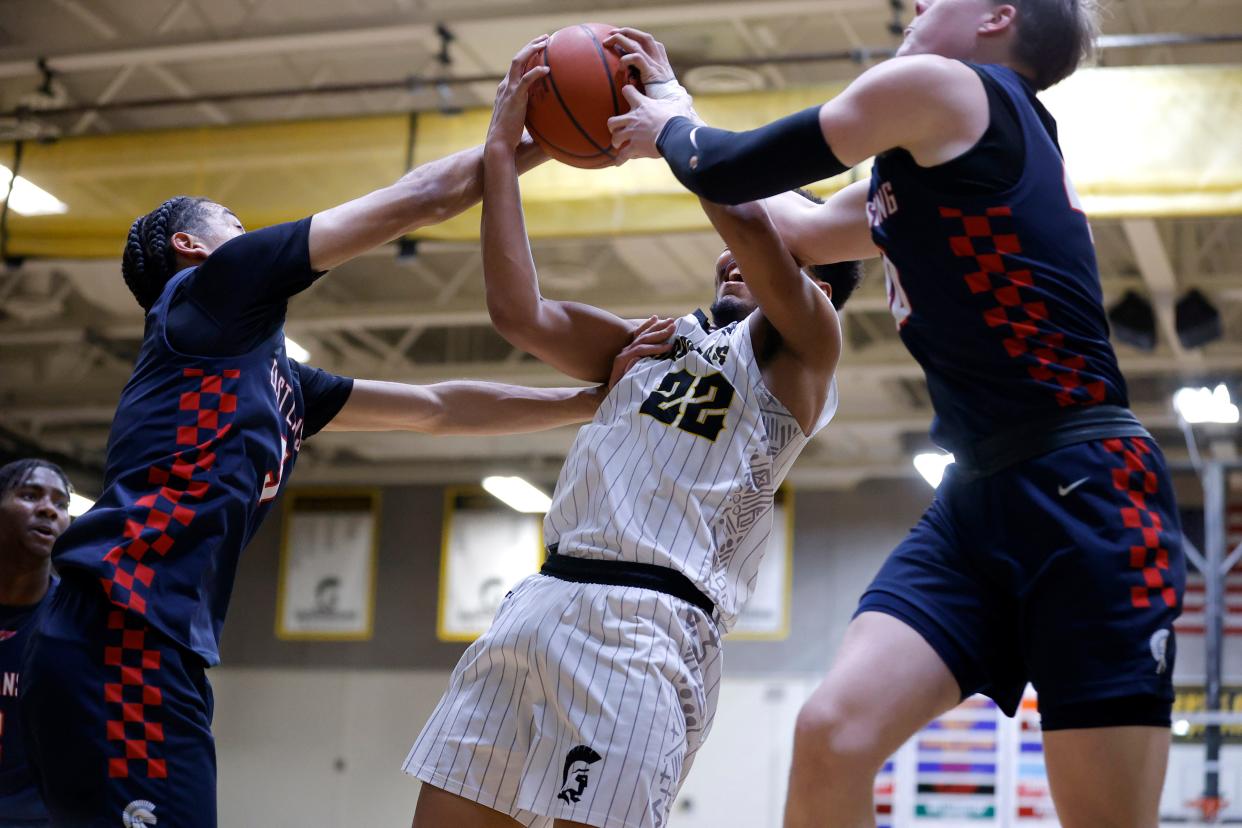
(576,339)
(463,407)
(473,407)
(790,301)
(933,107)
(428,194)
(835,231)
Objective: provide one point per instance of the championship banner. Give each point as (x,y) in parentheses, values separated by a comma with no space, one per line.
(486,548)
(327,565)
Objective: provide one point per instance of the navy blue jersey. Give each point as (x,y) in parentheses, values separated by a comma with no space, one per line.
(19,794)
(202,444)
(996,294)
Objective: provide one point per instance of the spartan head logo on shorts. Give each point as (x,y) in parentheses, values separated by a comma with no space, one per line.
(1160,649)
(139,814)
(577,773)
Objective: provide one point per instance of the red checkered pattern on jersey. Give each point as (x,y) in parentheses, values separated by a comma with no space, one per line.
(133,701)
(988,239)
(1151,558)
(204,416)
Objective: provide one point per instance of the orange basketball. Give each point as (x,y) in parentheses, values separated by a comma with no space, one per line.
(570,106)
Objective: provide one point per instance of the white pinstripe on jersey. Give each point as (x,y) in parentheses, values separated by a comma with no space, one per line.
(629,673)
(635,488)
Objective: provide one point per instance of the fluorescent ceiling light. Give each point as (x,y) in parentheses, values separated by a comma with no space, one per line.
(1204,405)
(296,351)
(29,199)
(932,465)
(78,505)
(517,494)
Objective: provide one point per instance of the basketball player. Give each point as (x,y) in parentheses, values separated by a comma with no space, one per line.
(584,703)
(34,510)
(1052,551)
(116,707)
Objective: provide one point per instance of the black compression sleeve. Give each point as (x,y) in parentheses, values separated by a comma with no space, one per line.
(734,167)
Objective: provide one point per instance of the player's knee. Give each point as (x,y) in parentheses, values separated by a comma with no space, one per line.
(830,735)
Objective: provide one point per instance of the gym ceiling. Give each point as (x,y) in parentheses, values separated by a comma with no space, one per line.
(281,107)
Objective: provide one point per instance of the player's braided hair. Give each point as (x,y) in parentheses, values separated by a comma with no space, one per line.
(1055,36)
(14,475)
(149,260)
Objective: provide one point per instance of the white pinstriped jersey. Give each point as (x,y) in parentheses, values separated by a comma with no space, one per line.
(680,464)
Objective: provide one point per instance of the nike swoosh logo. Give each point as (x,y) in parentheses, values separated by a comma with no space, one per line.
(1064,490)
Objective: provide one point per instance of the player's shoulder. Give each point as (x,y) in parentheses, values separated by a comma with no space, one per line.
(924,81)
(925,70)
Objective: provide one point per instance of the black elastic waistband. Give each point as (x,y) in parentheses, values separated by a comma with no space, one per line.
(627,574)
(1028,440)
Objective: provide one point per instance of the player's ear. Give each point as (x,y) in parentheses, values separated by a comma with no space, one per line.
(999,19)
(825,287)
(189,247)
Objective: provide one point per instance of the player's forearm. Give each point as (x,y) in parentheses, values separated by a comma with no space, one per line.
(511,284)
(430,193)
(794,305)
(735,167)
(770,272)
(462,407)
(836,231)
(470,407)
(441,189)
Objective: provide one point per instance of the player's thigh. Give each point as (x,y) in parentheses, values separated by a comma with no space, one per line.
(437,808)
(885,683)
(1107,777)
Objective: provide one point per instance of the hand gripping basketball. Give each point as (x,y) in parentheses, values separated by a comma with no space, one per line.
(646,55)
(512,96)
(634,133)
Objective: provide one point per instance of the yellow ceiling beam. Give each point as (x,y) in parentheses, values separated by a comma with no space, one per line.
(1139,141)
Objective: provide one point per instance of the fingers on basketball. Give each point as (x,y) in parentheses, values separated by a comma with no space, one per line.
(646,41)
(531,76)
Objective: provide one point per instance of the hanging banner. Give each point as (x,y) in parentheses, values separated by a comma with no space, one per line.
(486,548)
(327,565)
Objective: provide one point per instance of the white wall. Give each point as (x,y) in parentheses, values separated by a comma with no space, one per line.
(310,748)
(321,748)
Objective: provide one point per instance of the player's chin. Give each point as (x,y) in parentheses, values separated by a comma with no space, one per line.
(916,43)
(39,546)
(727,309)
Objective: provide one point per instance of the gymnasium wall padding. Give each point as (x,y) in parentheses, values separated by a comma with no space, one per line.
(1139,141)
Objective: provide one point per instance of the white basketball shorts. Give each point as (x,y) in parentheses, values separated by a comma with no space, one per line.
(582,702)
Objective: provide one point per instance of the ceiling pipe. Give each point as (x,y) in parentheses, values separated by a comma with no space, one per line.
(415,84)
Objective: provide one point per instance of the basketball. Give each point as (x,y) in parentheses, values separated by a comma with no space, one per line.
(570,106)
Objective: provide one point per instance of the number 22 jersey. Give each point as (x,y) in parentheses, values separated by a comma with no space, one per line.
(680,465)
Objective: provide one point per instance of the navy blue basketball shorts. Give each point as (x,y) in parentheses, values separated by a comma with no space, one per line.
(117,719)
(1065,570)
